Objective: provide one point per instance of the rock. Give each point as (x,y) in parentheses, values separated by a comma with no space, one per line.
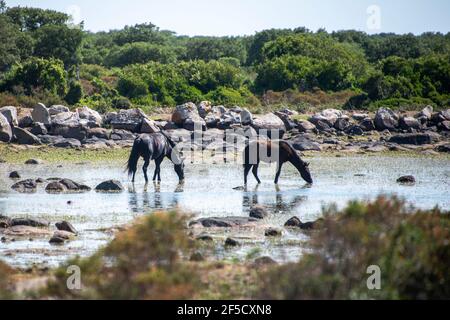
(184,112)
(445,114)
(110,186)
(5,129)
(272,232)
(89,117)
(376,148)
(263,261)
(443,148)
(302,143)
(367,124)
(41,114)
(246,117)
(130,120)
(426,113)
(25,137)
(293,222)
(56,240)
(269,125)
(258,212)
(118,135)
(341,124)
(33,161)
(25,186)
(67,143)
(197,257)
(65,226)
(66,186)
(26,231)
(204,237)
(38,223)
(305,126)
(229,242)
(406,180)
(385,118)
(354,130)
(195,125)
(360,116)
(10,113)
(409,123)
(38,129)
(56,109)
(100,133)
(25,121)
(412,138)
(223,222)
(149,126)
(71,131)
(14,175)
(66,119)
(444,126)
(204,108)
(40,180)
(322,126)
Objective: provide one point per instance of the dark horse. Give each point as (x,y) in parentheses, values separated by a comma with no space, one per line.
(155,146)
(273,151)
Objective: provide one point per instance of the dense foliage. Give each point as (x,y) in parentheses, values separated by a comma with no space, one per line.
(146,66)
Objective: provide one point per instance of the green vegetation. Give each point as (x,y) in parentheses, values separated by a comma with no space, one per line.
(410,246)
(44,58)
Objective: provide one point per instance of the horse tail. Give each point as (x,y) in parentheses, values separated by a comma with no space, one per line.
(134,158)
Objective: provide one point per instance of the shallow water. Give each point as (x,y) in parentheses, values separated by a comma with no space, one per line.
(208,191)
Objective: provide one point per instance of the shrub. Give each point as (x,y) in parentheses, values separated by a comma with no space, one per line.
(75,93)
(410,246)
(143,262)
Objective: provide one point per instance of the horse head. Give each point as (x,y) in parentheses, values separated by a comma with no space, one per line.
(305,173)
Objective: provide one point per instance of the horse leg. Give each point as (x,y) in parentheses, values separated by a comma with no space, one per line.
(277,177)
(255,172)
(145,168)
(158,169)
(246,171)
(134,175)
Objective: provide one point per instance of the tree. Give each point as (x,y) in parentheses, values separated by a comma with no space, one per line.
(139,52)
(31,19)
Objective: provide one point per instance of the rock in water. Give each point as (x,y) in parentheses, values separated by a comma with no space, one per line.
(14,175)
(25,186)
(406,180)
(65,226)
(110,186)
(272,232)
(258,212)
(229,242)
(66,186)
(37,223)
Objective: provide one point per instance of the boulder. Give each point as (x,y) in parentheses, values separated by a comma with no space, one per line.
(204,108)
(272,232)
(129,120)
(14,175)
(303,143)
(89,117)
(186,111)
(78,131)
(66,186)
(230,242)
(149,126)
(223,222)
(55,109)
(38,129)
(25,186)
(67,143)
(426,113)
(5,129)
(367,124)
(246,117)
(100,133)
(122,135)
(65,226)
(444,126)
(270,125)
(341,124)
(195,125)
(407,123)
(360,116)
(10,114)
(65,119)
(412,138)
(110,186)
(30,222)
(258,212)
(354,130)
(25,137)
(406,180)
(329,116)
(40,114)
(305,126)
(385,118)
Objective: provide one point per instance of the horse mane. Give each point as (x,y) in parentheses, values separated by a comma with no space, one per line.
(293,152)
(169,139)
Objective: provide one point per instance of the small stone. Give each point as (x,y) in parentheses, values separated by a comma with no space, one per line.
(258,212)
(65,226)
(110,186)
(272,232)
(14,175)
(406,180)
(33,161)
(293,222)
(204,237)
(229,242)
(56,240)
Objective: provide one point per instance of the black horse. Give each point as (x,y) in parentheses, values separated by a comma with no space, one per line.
(155,146)
(273,151)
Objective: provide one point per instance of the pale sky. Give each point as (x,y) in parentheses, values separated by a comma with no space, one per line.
(245,17)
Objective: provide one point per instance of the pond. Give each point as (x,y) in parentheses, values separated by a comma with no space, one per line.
(208,192)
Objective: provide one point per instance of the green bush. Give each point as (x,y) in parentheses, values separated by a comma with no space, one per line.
(75,93)
(410,246)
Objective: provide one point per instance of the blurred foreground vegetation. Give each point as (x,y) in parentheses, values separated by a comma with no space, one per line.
(45,58)
(151,260)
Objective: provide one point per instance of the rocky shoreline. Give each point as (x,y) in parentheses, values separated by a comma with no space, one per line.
(218,128)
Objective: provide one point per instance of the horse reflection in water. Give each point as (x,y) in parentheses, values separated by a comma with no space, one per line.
(153,198)
(281,205)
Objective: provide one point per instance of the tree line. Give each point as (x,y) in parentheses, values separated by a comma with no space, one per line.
(44,57)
